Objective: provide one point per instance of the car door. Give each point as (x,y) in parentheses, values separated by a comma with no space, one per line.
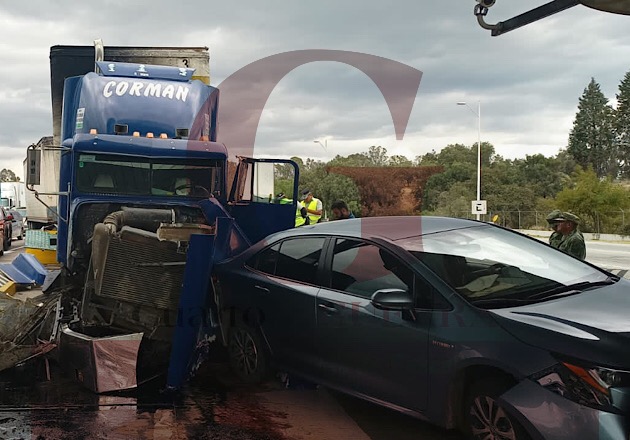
(381,354)
(282,282)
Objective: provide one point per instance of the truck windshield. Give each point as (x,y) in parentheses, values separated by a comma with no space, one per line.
(114,174)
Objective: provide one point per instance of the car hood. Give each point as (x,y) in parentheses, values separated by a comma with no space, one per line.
(593,325)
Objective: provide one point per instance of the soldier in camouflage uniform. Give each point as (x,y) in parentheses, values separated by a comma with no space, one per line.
(556,236)
(572,239)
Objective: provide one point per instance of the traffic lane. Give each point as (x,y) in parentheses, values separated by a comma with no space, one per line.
(608,255)
(605,254)
(17,246)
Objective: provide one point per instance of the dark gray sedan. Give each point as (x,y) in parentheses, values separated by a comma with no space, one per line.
(461,323)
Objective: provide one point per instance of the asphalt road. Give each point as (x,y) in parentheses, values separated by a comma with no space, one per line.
(608,255)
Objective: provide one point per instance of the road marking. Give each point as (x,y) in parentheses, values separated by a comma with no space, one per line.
(623,273)
(13,249)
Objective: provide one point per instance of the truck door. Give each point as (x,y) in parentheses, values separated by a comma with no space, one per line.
(263,199)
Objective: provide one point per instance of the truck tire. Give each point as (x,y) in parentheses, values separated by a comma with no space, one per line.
(249,359)
(483,415)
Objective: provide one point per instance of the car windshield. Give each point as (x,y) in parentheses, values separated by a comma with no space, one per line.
(485,263)
(116,174)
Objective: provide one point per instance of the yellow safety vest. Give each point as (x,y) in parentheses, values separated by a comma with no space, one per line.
(314,217)
(299,220)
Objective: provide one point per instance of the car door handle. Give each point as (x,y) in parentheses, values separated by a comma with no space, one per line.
(264,289)
(328,309)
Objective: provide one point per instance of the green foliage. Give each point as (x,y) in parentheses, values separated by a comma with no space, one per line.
(592,140)
(6,175)
(622,126)
(399,161)
(329,187)
(593,199)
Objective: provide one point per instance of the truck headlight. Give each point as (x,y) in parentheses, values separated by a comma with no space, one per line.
(589,386)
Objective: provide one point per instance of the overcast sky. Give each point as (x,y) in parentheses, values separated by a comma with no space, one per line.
(528,80)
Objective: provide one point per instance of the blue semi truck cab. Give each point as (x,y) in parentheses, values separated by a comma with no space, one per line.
(145,210)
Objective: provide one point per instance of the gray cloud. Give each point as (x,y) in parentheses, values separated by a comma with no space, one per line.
(528,80)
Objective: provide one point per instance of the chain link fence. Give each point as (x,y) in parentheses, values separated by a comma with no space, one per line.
(607,222)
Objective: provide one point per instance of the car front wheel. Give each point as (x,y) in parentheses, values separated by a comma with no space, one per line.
(484,416)
(248,356)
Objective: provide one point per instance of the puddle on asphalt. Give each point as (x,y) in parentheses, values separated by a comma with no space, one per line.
(210,407)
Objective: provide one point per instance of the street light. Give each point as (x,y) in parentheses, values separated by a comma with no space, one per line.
(478,114)
(324,145)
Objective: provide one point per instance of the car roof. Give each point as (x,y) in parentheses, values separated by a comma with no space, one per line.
(391,228)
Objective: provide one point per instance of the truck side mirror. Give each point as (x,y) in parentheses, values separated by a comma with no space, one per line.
(33,160)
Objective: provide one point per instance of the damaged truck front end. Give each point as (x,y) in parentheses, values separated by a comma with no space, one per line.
(144,298)
(143,214)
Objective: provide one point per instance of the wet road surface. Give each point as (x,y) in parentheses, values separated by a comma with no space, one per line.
(213,406)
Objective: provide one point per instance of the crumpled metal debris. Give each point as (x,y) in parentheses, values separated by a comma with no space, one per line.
(27,327)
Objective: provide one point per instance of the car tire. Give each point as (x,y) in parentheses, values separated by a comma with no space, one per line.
(6,243)
(249,358)
(484,417)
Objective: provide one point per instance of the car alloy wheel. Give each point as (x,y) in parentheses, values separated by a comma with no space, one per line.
(248,358)
(485,418)
(489,421)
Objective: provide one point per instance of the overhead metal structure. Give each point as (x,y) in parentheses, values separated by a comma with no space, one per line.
(553,7)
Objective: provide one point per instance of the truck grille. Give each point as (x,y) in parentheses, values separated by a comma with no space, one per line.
(142,270)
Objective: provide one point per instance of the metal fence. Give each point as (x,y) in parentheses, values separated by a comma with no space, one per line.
(608,222)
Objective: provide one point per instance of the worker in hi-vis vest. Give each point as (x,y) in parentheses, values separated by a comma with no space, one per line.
(301,216)
(313,206)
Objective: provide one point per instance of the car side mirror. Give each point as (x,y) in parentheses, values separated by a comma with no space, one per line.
(10,217)
(392,299)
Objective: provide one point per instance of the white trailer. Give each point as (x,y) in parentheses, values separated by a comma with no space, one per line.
(13,194)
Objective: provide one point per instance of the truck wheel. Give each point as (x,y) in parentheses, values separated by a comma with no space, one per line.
(248,356)
(485,418)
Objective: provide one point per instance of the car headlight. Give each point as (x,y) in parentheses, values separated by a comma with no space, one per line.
(589,386)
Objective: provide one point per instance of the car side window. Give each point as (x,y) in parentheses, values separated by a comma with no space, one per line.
(361,268)
(298,259)
(265,261)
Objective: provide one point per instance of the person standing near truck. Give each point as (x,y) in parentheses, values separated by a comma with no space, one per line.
(313,206)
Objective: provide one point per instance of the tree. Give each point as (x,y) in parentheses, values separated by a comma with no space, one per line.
(378,156)
(622,125)
(591,141)
(595,200)
(399,161)
(6,175)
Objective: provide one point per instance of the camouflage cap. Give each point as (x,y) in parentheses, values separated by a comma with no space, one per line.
(571,217)
(553,215)
(566,216)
